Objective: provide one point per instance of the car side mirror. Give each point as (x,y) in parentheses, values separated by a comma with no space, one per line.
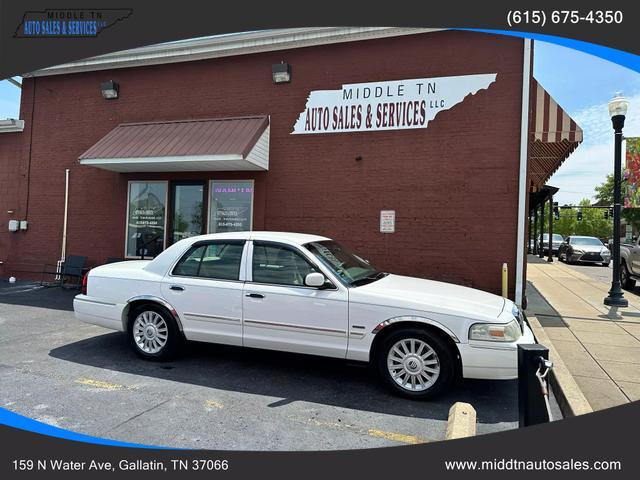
(315,279)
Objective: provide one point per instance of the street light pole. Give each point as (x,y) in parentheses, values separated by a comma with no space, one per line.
(618,111)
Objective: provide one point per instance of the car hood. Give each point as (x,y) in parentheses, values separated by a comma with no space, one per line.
(590,248)
(429,296)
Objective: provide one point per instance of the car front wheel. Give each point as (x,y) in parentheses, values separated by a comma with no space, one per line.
(415,363)
(153,333)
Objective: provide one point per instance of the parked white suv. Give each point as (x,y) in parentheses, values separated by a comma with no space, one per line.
(306,294)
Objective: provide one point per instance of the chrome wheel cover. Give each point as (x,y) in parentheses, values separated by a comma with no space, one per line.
(413,364)
(150,332)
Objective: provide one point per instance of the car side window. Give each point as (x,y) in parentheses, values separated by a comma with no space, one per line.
(280,265)
(220,261)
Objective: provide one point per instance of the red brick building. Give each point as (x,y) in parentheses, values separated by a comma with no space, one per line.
(459,187)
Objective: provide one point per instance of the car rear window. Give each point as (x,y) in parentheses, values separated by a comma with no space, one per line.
(220,260)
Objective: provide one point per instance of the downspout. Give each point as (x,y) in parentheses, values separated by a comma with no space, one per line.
(522,183)
(63,253)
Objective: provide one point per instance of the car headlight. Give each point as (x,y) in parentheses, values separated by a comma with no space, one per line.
(496,332)
(576,250)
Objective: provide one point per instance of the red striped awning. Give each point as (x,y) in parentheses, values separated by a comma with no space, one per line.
(554,135)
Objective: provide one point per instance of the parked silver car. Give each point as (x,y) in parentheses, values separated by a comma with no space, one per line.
(555,243)
(584,249)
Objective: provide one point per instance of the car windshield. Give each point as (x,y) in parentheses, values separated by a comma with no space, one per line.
(585,241)
(556,237)
(350,267)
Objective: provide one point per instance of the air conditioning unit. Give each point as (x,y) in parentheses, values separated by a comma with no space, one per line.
(14,225)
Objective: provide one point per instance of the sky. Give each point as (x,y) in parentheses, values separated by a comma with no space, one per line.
(582,84)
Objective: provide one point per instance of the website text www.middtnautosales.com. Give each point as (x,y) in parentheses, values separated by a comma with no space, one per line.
(533,465)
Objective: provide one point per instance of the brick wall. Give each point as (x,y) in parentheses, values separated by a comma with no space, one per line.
(454,186)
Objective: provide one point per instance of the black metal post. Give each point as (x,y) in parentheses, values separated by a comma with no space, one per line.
(541,252)
(535,231)
(616,297)
(529,245)
(550,257)
(532,408)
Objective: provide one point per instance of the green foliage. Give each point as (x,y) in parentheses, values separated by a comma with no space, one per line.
(593,223)
(604,194)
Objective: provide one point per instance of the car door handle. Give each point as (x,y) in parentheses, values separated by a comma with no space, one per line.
(254,295)
(177,288)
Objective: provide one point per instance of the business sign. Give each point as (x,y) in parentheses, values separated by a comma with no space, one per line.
(391,105)
(387,221)
(632,173)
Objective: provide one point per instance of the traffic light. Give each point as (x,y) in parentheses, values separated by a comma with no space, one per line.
(606,214)
(579,215)
(556,211)
(611,212)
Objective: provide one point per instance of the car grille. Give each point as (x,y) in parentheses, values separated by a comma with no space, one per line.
(591,257)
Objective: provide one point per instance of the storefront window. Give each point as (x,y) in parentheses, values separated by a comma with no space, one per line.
(187,215)
(231,207)
(146,222)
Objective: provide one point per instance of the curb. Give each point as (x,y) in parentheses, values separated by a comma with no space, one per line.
(461,422)
(571,400)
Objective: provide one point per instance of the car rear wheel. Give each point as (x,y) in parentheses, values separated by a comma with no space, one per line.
(625,279)
(415,363)
(153,333)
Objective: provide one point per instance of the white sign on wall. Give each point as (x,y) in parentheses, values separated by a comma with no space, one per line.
(392,105)
(387,221)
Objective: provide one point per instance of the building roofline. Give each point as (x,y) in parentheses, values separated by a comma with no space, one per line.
(225,46)
(11,125)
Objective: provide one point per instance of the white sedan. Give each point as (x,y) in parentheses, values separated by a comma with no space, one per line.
(307,294)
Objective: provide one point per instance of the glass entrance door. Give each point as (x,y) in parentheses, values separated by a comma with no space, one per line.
(187,210)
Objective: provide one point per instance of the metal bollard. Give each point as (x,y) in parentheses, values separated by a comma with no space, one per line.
(505,280)
(532,407)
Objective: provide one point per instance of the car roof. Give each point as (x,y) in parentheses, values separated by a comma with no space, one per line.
(163,262)
(287,237)
(583,236)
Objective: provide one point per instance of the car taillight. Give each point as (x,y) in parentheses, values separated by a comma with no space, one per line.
(85,281)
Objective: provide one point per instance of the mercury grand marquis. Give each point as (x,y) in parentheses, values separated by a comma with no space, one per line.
(306,294)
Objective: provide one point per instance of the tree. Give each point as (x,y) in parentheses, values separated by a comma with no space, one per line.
(604,194)
(593,223)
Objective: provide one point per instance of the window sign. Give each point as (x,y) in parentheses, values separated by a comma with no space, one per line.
(231,206)
(146,218)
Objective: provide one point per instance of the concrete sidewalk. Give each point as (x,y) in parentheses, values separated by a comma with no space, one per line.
(599,345)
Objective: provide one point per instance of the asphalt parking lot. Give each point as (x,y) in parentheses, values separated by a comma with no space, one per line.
(84,378)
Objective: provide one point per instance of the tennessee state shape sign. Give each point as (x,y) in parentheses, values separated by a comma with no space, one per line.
(391,105)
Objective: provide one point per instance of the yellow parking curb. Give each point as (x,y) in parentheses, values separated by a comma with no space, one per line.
(461,422)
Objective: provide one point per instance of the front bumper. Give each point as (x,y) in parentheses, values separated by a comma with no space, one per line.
(492,360)
(590,257)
